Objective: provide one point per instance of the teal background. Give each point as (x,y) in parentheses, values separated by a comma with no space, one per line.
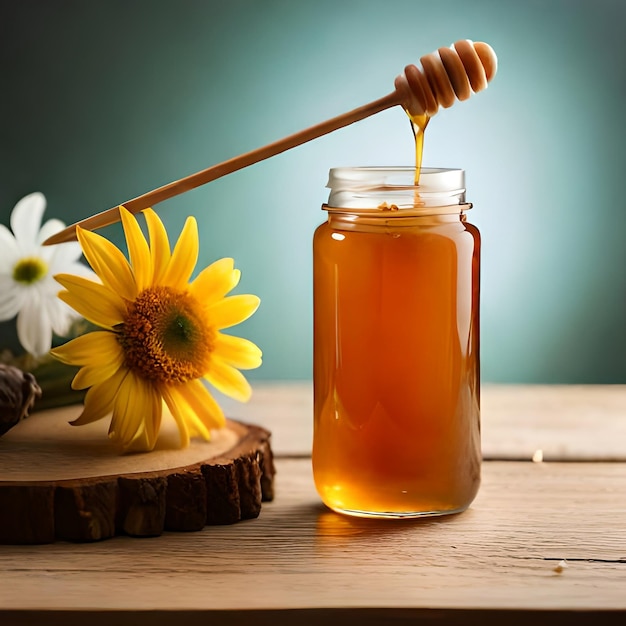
(102,101)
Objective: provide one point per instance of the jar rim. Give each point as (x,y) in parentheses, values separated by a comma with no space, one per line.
(374,187)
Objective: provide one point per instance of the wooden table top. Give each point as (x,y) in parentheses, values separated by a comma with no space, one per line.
(543,542)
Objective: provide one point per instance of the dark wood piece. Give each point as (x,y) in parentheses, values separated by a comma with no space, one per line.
(225,485)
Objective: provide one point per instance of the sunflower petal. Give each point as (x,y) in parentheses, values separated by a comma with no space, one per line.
(128,411)
(215,281)
(136,414)
(138,250)
(159,245)
(93,301)
(184,257)
(147,436)
(90,349)
(89,311)
(184,400)
(108,262)
(100,398)
(203,404)
(170,398)
(232,310)
(228,380)
(91,375)
(238,352)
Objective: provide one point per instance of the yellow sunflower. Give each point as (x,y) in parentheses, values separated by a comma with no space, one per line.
(160,334)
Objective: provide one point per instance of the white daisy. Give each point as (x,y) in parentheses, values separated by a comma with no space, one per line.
(27,286)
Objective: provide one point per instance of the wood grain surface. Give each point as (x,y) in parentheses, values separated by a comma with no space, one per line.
(565,422)
(502,553)
(543,543)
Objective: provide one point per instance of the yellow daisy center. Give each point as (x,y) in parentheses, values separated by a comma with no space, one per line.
(29,270)
(166,336)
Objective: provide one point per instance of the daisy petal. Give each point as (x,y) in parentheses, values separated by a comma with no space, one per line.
(49,228)
(93,301)
(78,269)
(26,220)
(215,281)
(60,315)
(64,254)
(100,398)
(10,252)
(159,245)
(13,298)
(228,380)
(91,349)
(108,262)
(238,352)
(138,250)
(184,257)
(232,310)
(33,327)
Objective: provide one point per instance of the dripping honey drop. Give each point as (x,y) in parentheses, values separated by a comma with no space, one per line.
(418,124)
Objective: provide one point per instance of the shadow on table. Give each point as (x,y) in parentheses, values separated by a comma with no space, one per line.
(331,527)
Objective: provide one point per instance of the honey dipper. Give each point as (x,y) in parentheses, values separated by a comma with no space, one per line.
(446,75)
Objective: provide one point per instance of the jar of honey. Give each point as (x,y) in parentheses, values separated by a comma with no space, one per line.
(396,344)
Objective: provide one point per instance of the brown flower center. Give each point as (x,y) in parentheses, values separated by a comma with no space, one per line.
(166,337)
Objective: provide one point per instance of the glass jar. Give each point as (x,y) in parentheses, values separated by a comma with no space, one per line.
(396,344)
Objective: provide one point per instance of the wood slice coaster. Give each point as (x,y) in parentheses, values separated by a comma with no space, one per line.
(59,481)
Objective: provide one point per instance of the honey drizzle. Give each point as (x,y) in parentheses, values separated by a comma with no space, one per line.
(418,125)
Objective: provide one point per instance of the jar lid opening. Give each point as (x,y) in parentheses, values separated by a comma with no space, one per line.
(371,187)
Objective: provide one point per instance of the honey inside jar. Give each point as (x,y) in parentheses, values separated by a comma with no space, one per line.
(396,420)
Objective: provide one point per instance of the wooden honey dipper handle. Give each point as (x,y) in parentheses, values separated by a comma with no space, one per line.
(447,74)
